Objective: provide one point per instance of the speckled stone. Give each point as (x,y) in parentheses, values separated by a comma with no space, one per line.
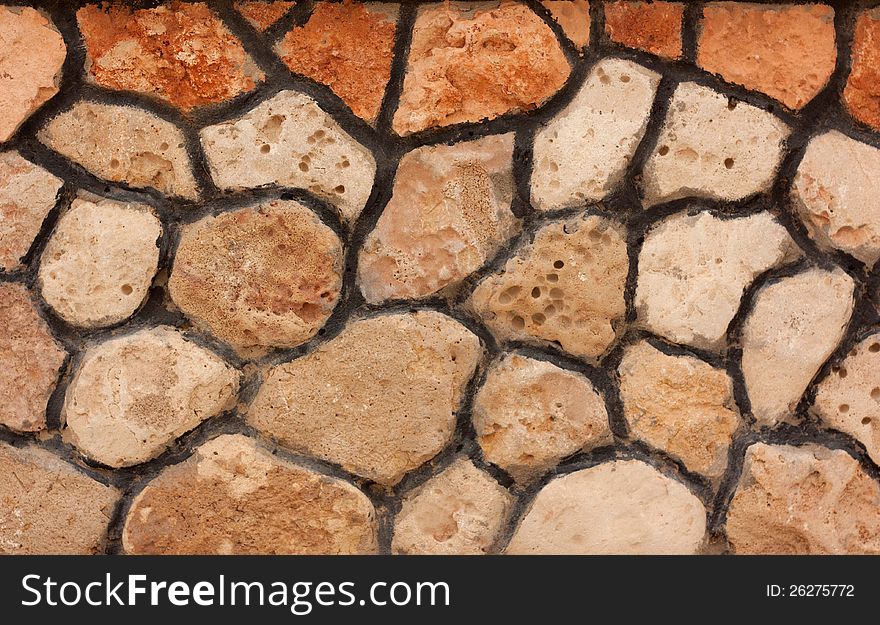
(654,27)
(263,13)
(862,92)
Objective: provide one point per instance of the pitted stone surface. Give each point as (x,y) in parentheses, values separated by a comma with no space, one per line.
(574,18)
(654,27)
(862,92)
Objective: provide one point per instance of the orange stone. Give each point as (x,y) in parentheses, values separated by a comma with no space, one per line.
(862,92)
(263,14)
(653,27)
(574,18)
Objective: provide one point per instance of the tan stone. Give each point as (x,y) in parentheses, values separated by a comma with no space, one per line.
(530,414)
(654,27)
(379,399)
(862,92)
(803,500)
(624,507)
(795,325)
(574,18)
(582,154)
(99,264)
(258,277)
(233,497)
(48,507)
(566,287)
(449,214)
(261,13)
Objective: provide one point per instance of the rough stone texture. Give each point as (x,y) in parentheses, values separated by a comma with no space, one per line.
(653,27)
(97,268)
(566,287)
(180,52)
(263,276)
(582,153)
(232,497)
(625,507)
(262,14)
(27,194)
(47,507)
(289,141)
(693,270)
(787,52)
(135,394)
(803,500)
(679,404)
(31,359)
(834,191)
(795,325)
(347,47)
(474,61)
(862,92)
(379,399)
(123,144)
(31,55)
(449,214)
(574,18)
(713,147)
(458,512)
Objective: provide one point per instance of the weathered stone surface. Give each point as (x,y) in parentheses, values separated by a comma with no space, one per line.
(713,147)
(803,500)
(449,214)
(474,61)
(135,394)
(232,497)
(566,287)
(31,359)
(31,55)
(834,192)
(379,399)
(257,277)
(289,141)
(679,404)
(48,507)
(458,512)
(262,13)
(693,270)
(530,414)
(123,144)
(654,27)
(582,154)
(621,507)
(97,268)
(862,92)
(574,18)
(795,325)
(347,47)
(27,194)
(787,52)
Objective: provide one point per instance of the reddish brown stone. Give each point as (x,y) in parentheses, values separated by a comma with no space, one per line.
(653,27)
(263,14)
(862,92)
(574,18)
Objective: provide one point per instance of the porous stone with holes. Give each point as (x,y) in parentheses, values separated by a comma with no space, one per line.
(654,27)
(862,92)
(573,16)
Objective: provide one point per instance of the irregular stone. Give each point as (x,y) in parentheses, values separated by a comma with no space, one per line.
(475,61)
(574,18)
(530,414)
(262,14)
(795,325)
(99,264)
(833,192)
(233,497)
(32,52)
(27,194)
(31,360)
(379,399)
(458,512)
(135,394)
(47,507)
(625,507)
(289,141)
(349,48)
(693,270)
(713,147)
(449,213)
(123,144)
(582,154)
(764,48)
(803,500)
(566,287)
(654,27)
(862,92)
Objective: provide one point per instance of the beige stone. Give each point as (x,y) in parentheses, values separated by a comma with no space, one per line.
(449,214)
(458,512)
(97,268)
(582,154)
(530,414)
(795,325)
(714,147)
(233,497)
(625,507)
(379,399)
(573,16)
(289,141)
(803,500)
